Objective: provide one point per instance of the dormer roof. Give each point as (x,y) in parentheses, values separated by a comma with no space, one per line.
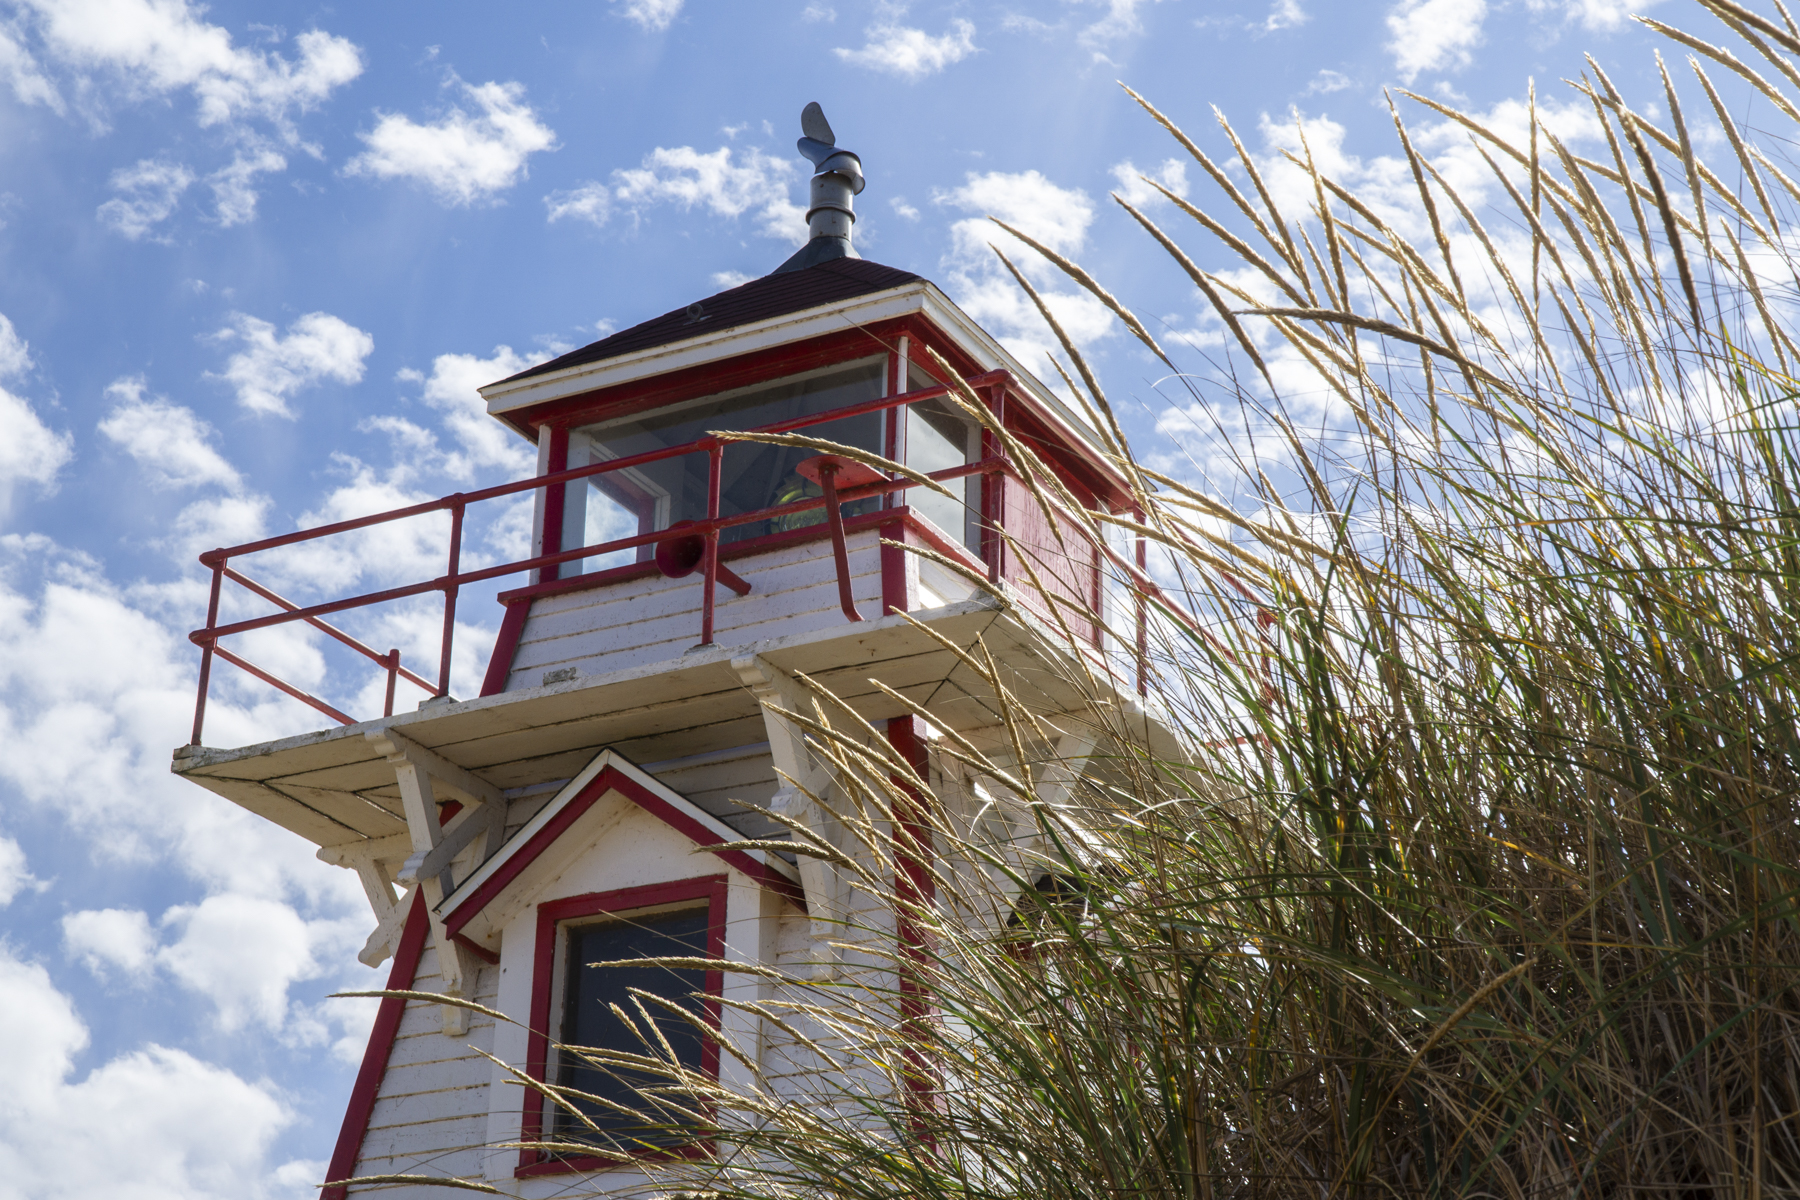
(771,296)
(557,831)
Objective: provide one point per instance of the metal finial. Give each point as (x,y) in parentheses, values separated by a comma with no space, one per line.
(837,178)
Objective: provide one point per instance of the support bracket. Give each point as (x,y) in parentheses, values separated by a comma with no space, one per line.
(801,773)
(419,771)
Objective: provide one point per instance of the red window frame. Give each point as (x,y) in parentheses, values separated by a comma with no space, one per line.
(552,914)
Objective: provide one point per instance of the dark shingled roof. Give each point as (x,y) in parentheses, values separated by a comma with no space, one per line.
(758,300)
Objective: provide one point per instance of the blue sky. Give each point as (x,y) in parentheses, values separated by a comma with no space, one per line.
(254,259)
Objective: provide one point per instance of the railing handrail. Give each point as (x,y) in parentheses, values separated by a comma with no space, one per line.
(200,637)
(456,503)
(532,483)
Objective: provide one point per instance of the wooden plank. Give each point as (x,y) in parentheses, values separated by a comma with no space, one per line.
(285,811)
(465,1097)
(263,760)
(427,1138)
(668,633)
(418,1050)
(367,818)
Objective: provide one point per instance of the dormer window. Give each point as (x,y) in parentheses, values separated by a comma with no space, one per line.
(656,495)
(620,927)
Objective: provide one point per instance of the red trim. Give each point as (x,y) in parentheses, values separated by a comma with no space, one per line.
(380,1048)
(913,889)
(505,647)
(543,971)
(611,779)
(707,379)
(895,595)
(477,949)
(555,501)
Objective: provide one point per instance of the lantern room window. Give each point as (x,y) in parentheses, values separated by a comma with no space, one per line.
(937,438)
(754,476)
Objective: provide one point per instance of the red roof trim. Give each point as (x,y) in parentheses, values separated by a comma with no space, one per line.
(611,778)
(380,1049)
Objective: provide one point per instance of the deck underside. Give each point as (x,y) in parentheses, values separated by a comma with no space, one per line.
(335,788)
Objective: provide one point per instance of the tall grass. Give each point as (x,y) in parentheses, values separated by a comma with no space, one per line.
(1480,874)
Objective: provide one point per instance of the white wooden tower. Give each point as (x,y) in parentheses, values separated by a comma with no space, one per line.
(563,816)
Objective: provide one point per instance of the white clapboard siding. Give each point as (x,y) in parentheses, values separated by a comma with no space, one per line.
(430,1114)
(722,787)
(623,625)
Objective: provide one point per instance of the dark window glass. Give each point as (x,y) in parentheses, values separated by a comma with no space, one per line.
(589,1021)
(655,496)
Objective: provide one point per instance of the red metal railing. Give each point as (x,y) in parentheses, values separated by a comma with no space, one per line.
(455,579)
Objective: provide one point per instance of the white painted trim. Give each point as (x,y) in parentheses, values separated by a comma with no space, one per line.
(709,347)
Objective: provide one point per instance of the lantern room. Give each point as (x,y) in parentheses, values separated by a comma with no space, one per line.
(843,354)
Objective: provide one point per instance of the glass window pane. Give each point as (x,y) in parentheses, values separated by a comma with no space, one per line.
(752,476)
(937,439)
(588,1019)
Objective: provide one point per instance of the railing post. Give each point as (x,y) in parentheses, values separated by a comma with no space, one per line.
(450,590)
(715,468)
(393,670)
(206,649)
(993,491)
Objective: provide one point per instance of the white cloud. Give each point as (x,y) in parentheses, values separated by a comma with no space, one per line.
(108,939)
(167,440)
(30,451)
(819,12)
(484,444)
(15,355)
(173,1126)
(730,279)
(724,183)
(460,158)
(1603,16)
(1172,174)
(231,186)
(903,209)
(1433,35)
(1284,14)
(243,953)
(149,192)
(653,16)
(228,520)
(1056,216)
(1326,82)
(318,347)
(29,83)
(910,53)
(15,874)
(591,202)
(153,47)
(1121,21)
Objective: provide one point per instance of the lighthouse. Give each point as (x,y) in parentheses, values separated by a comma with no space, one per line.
(628,781)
